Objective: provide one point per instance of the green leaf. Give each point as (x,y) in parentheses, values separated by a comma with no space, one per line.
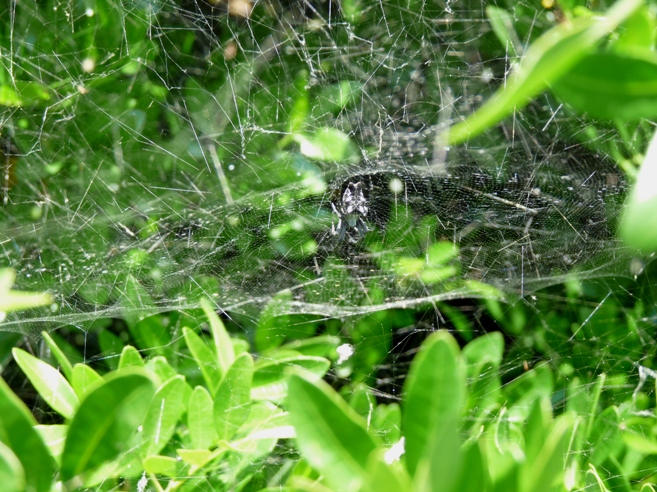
(17,431)
(638,226)
(12,475)
(640,443)
(439,467)
(223,345)
(594,482)
(434,394)
(319,346)
(200,419)
(537,427)
(546,60)
(64,363)
(637,32)
(328,144)
(204,358)
(233,396)
(110,345)
(16,300)
(166,408)
(106,420)
(385,477)
(50,384)
(330,435)
(612,85)
(84,379)
(54,436)
(195,457)
(547,470)
(130,357)
(270,376)
(502,24)
(163,465)
(474,475)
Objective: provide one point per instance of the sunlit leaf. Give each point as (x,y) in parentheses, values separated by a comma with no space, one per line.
(200,419)
(50,384)
(233,396)
(106,420)
(331,436)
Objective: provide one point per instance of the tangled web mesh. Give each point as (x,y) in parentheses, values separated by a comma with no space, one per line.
(182,150)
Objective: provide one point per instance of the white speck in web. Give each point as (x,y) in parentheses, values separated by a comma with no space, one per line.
(89,12)
(143,482)
(344,352)
(395,452)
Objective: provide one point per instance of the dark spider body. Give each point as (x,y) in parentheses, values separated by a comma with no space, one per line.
(351,212)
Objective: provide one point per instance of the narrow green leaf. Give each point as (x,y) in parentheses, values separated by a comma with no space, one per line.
(163,465)
(204,358)
(17,432)
(547,470)
(546,60)
(330,435)
(200,419)
(223,346)
(12,475)
(233,396)
(50,384)
(612,85)
(165,410)
(537,427)
(130,357)
(502,24)
(106,420)
(594,482)
(434,393)
(84,379)
(646,487)
(64,363)
(319,346)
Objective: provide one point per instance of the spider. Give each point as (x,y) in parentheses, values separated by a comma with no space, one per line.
(350,212)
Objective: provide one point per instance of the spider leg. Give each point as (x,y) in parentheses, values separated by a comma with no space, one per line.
(361,227)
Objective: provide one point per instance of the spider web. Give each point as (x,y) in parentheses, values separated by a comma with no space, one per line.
(165,151)
(177,164)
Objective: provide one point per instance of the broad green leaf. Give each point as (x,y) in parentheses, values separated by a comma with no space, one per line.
(84,379)
(54,436)
(638,226)
(441,464)
(270,376)
(330,435)
(50,384)
(328,144)
(18,433)
(319,346)
(612,85)
(166,408)
(12,475)
(130,357)
(547,470)
(434,394)
(111,345)
(386,422)
(640,443)
(200,419)
(233,396)
(195,457)
(204,358)
(161,367)
(546,60)
(64,363)
(637,32)
(223,345)
(384,476)
(163,465)
(106,420)
(474,475)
